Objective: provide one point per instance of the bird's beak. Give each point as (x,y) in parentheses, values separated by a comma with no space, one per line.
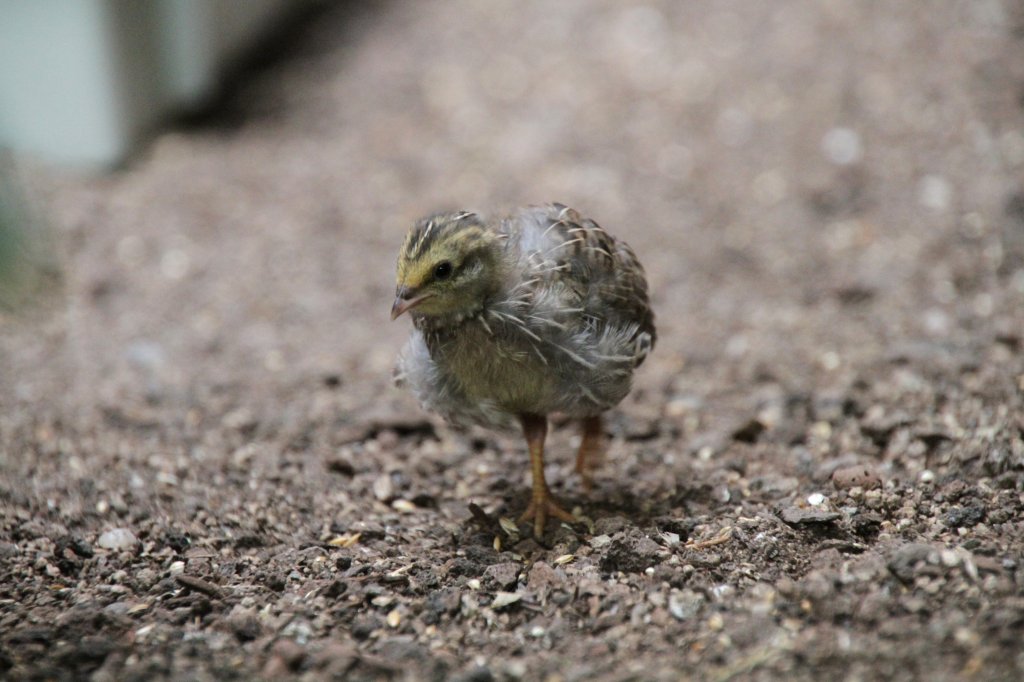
(406,300)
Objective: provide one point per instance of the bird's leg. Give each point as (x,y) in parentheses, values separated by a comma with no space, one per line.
(542,505)
(591,449)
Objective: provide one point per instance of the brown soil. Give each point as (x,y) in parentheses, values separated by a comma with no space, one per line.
(819,475)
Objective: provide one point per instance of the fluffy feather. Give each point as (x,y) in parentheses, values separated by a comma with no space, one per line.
(546,313)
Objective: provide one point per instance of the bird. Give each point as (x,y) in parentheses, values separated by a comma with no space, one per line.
(518,317)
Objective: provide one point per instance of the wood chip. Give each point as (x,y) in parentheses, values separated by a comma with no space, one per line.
(346,540)
(404,506)
(197,584)
(723,536)
(398,575)
(483,519)
(509,526)
(503,599)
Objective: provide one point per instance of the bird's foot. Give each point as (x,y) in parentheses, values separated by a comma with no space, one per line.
(541,507)
(591,452)
(586,463)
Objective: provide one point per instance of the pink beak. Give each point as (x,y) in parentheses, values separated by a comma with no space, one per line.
(403,302)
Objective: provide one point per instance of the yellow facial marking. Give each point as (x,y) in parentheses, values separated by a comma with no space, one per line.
(445,238)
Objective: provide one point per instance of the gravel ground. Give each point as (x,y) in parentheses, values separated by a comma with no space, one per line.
(205,473)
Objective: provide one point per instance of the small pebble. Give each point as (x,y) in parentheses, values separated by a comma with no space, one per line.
(796,516)
(383,489)
(842,146)
(857,476)
(684,605)
(949,558)
(722,592)
(118,540)
(934,192)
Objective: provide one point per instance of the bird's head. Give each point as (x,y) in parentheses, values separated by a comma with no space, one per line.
(448,266)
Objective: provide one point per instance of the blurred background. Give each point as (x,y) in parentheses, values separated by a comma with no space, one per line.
(199,220)
(227,184)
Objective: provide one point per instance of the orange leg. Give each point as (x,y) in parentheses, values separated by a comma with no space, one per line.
(542,505)
(591,450)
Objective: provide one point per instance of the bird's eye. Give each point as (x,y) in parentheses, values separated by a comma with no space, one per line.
(443,270)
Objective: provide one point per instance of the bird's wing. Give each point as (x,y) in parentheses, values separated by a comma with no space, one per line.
(593,271)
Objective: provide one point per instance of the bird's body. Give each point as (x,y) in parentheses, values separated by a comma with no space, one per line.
(535,313)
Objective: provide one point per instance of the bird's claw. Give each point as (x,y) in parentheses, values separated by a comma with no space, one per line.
(542,506)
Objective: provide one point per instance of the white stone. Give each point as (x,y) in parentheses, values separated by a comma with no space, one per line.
(734,127)
(934,192)
(816,499)
(118,540)
(842,146)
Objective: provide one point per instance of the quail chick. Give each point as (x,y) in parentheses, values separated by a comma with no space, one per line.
(520,317)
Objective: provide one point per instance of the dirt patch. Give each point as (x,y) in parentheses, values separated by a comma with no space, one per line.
(819,475)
